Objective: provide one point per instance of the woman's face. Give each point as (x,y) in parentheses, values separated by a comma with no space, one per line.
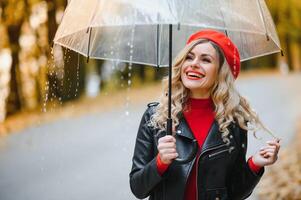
(199,70)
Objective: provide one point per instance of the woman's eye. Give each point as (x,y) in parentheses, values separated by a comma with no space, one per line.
(207,60)
(189,58)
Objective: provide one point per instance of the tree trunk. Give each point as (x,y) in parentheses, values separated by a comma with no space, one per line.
(14,97)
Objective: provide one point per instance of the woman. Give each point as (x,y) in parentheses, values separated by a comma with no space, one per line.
(206,107)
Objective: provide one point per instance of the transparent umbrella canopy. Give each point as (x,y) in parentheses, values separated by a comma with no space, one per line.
(151,32)
(138,30)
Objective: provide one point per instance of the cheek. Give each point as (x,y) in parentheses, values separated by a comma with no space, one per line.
(212,71)
(183,71)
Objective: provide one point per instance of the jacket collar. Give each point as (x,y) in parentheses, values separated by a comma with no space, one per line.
(213,138)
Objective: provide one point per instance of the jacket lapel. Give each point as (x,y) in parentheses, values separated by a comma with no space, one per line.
(184,130)
(213,138)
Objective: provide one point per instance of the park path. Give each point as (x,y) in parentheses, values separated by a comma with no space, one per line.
(89,157)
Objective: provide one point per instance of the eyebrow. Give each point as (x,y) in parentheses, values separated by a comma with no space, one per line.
(203,54)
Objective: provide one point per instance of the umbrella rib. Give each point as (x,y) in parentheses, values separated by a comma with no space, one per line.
(158,45)
(260,55)
(89,41)
(223,17)
(263,20)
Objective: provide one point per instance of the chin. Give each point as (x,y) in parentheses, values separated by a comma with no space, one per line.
(193,86)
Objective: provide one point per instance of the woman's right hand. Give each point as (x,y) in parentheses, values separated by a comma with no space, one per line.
(167,149)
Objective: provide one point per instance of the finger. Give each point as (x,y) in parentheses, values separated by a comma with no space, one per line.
(270,154)
(167,138)
(168,151)
(276,146)
(270,151)
(167,145)
(171,156)
(268,148)
(273,143)
(264,155)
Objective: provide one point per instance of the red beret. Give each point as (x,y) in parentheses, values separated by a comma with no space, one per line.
(230,51)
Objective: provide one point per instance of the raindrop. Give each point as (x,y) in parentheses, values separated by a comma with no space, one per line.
(112,53)
(127,113)
(129,74)
(128,44)
(129,82)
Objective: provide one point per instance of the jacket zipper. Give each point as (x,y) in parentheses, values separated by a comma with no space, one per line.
(219,152)
(197,164)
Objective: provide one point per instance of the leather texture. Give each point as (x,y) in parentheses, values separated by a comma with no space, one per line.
(223,172)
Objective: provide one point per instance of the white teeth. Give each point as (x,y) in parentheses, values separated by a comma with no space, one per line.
(194,74)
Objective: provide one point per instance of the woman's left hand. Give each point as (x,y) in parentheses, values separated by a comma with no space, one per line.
(267,154)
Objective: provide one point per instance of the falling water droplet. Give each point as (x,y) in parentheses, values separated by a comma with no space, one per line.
(127,113)
(129,82)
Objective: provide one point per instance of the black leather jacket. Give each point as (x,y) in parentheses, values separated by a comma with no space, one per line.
(223,173)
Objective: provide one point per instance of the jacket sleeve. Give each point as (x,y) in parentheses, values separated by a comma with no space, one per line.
(242,179)
(144,175)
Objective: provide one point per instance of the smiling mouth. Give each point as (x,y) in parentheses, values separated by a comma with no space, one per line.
(195,75)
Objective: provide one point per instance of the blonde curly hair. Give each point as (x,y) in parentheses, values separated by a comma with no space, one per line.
(229,105)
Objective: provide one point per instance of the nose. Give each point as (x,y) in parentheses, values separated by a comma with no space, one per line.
(195,64)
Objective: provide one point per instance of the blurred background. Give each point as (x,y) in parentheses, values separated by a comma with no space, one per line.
(68,129)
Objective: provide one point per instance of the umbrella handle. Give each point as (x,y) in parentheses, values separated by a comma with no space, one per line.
(190,156)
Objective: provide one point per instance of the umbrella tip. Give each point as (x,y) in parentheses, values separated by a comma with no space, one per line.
(268,38)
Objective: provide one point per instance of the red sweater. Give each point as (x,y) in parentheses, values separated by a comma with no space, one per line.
(201,112)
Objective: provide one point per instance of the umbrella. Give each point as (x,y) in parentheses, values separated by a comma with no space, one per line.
(152,32)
